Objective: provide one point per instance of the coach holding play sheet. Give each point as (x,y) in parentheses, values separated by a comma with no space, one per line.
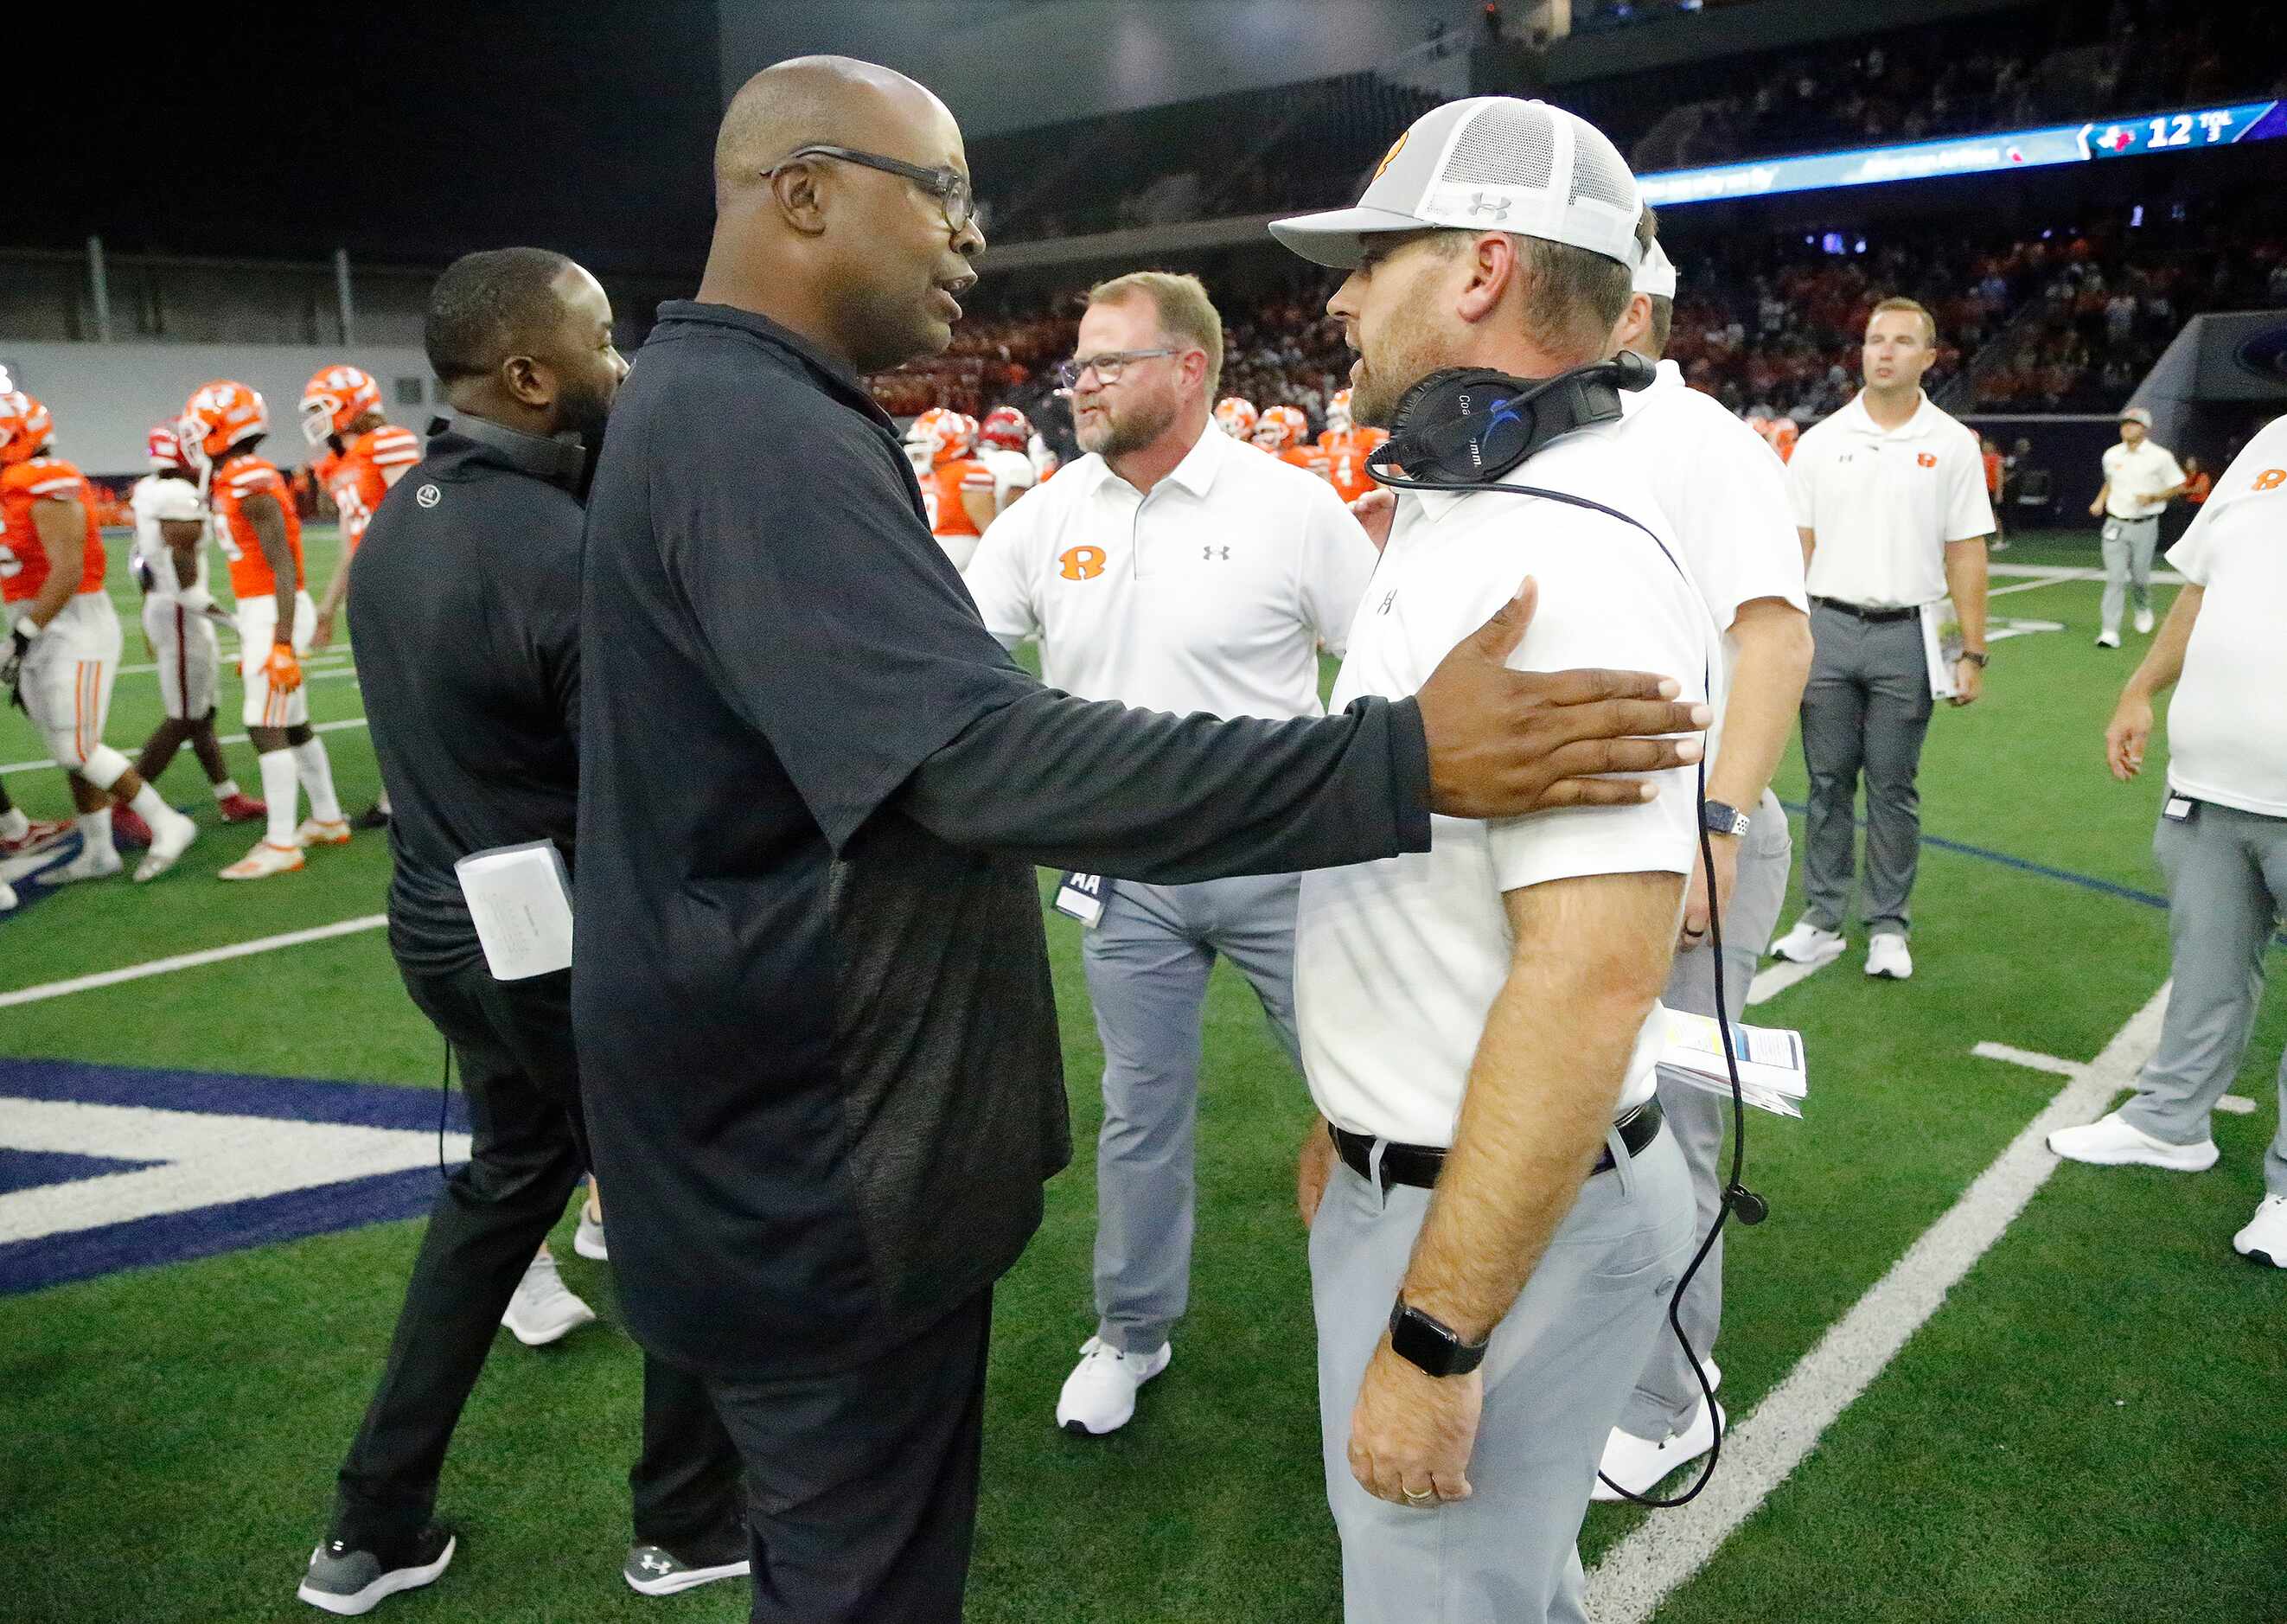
(812,998)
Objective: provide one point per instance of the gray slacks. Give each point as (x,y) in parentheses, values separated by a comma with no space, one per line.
(1865,711)
(2128,547)
(2227,888)
(1556,1376)
(1147,963)
(1667,1394)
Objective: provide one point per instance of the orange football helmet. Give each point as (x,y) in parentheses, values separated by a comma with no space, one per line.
(1007,427)
(216,417)
(1338,412)
(1236,417)
(335,399)
(945,434)
(1281,427)
(166,450)
(25,428)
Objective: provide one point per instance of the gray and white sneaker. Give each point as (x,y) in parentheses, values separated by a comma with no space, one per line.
(544,1309)
(654,1570)
(587,1239)
(351,1582)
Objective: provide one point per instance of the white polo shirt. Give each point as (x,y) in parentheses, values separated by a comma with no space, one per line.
(2133,478)
(1211,592)
(1724,492)
(1885,501)
(1397,963)
(2227,731)
(153,500)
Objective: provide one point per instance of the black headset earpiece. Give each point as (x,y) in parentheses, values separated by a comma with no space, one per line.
(1469,425)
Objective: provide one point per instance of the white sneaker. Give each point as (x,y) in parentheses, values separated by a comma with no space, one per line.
(1640,1464)
(171,837)
(543,1310)
(2107,638)
(7,897)
(2144,622)
(2111,1141)
(1808,943)
(1099,1396)
(587,1239)
(264,861)
(93,863)
(2265,1237)
(323,832)
(1887,955)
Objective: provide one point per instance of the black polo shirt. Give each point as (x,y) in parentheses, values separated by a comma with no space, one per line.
(817,1041)
(464,618)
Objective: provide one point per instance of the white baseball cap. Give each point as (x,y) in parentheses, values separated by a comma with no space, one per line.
(2136,414)
(1656,274)
(1488,164)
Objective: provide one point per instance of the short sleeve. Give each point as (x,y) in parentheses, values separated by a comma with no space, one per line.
(1803,484)
(173,500)
(1000,576)
(2171,472)
(1338,560)
(1739,528)
(1969,510)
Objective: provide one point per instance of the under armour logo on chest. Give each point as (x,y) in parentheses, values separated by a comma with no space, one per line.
(1214,552)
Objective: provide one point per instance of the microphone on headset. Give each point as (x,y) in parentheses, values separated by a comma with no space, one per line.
(1469,425)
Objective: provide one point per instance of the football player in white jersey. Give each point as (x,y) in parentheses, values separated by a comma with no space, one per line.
(178,616)
(1001,446)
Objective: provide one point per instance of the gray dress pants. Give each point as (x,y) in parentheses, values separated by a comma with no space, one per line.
(1866,710)
(1147,962)
(2128,548)
(1667,1394)
(1556,1376)
(2227,888)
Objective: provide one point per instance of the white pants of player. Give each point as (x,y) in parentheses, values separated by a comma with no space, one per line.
(183,644)
(258,621)
(67,675)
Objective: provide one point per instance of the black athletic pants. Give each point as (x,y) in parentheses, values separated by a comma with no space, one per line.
(512,1043)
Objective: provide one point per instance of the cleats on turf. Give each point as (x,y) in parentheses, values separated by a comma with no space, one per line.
(168,842)
(374,817)
(322,832)
(242,808)
(93,863)
(41,834)
(653,1570)
(264,861)
(352,1582)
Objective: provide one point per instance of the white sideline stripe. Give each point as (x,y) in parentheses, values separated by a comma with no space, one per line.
(1773,980)
(189,961)
(1759,1451)
(2026,1056)
(43,764)
(2235,1104)
(2046,573)
(314,662)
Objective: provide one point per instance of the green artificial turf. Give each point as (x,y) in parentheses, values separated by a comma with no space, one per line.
(2087,1429)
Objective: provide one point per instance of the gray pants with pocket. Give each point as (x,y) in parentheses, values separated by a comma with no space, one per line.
(1556,1376)
(2128,548)
(1667,1394)
(1147,963)
(1865,711)
(2227,888)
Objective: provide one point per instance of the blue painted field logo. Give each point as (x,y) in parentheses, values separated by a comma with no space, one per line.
(109,1168)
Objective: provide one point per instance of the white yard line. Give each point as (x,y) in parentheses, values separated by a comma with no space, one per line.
(43,764)
(1763,1449)
(1776,977)
(189,961)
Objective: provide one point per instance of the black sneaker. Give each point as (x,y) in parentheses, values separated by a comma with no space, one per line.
(349,1582)
(374,817)
(653,1570)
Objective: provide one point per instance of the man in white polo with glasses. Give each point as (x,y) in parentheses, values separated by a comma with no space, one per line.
(1180,570)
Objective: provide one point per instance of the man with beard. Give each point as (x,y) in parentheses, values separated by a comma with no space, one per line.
(817,1037)
(465,609)
(1171,570)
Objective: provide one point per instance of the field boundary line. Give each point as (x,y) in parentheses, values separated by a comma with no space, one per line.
(189,961)
(318,727)
(1763,1450)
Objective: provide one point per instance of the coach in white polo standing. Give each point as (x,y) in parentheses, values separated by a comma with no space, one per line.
(1724,492)
(1178,570)
(2140,478)
(1889,496)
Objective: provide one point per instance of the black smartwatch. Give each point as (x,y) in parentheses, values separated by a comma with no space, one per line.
(1722,818)
(1976,656)
(1425,1340)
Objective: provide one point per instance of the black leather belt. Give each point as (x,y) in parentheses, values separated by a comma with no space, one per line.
(1419,1164)
(1860,611)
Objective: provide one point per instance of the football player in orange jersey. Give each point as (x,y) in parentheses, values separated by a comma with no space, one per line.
(1235,416)
(1783,434)
(366,456)
(62,654)
(1285,433)
(1347,446)
(956,488)
(261,535)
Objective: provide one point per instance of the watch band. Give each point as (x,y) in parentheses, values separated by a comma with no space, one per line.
(1429,1343)
(1976,656)
(1721,818)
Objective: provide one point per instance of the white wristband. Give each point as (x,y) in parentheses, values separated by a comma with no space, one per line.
(29,628)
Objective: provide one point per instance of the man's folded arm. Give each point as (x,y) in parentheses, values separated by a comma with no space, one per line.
(1166,800)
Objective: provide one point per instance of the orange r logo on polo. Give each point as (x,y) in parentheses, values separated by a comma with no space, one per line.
(2270,479)
(1081,563)
(1928,459)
